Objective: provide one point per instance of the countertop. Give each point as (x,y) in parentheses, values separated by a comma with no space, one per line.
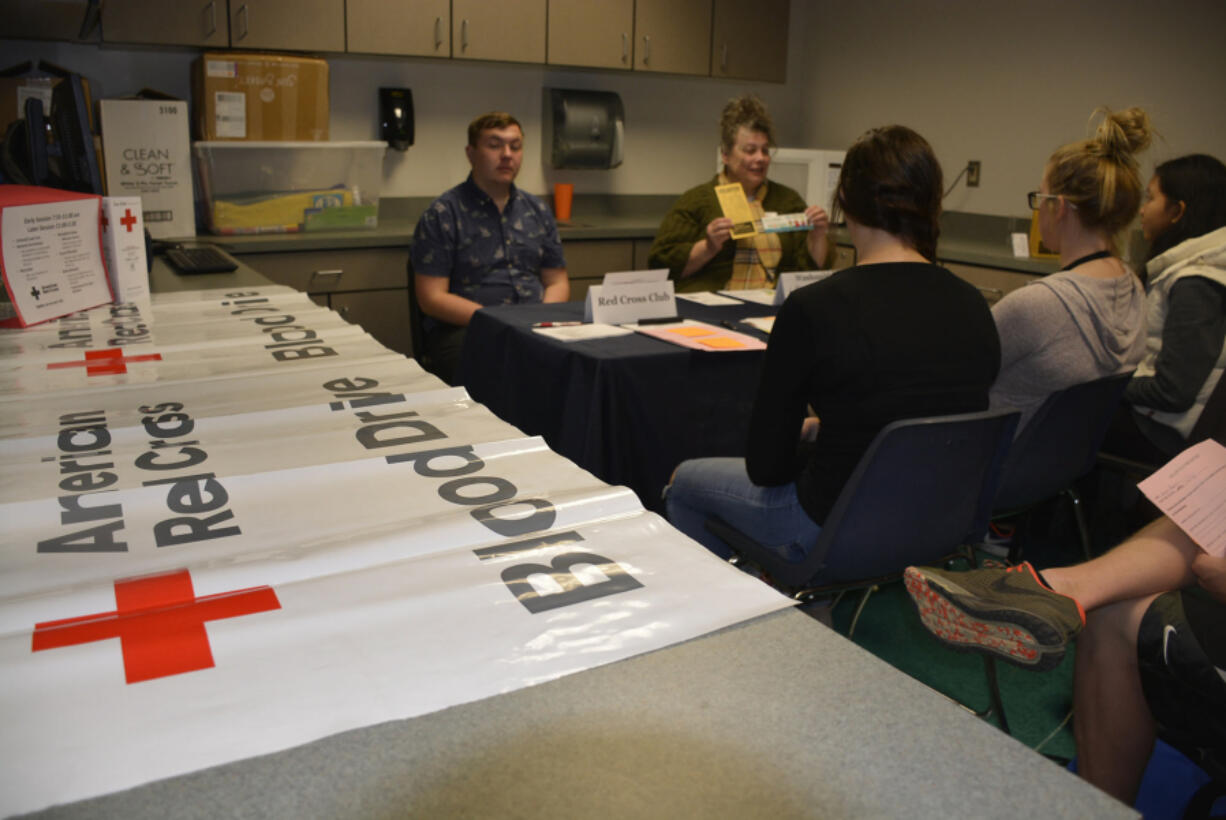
(970,239)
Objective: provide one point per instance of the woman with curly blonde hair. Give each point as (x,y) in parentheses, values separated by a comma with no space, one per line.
(1087,321)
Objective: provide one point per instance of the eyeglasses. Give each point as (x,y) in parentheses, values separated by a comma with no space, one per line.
(1035,198)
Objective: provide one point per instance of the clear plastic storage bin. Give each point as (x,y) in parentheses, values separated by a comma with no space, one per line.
(285,187)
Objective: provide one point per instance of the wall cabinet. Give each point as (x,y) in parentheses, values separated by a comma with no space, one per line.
(294,25)
(587,261)
(420,28)
(672,36)
(749,41)
(596,35)
(510,30)
(205,24)
(367,286)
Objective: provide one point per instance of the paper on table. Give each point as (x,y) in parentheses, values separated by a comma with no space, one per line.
(1191,489)
(701,336)
(706,297)
(763,296)
(762,323)
(578,333)
(735,206)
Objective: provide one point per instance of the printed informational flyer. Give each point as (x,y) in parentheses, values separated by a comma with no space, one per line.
(52,258)
(735,206)
(1191,489)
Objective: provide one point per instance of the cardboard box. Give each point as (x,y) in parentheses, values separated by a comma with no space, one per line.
(147,154)
(123,241)
(260,97)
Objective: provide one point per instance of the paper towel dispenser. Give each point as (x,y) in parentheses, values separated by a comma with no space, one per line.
(584,129)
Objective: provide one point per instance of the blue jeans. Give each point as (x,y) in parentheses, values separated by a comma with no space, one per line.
(772,516)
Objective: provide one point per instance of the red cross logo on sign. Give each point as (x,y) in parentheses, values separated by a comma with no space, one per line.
(109,362)
(159,622)
(127,220)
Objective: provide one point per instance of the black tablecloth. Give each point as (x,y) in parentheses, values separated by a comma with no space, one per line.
(628,408)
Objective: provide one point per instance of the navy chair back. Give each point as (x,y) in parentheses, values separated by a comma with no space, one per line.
(1060,442)
(922,489)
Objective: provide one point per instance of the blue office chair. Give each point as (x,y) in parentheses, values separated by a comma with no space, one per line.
(922,489)
(921,493)
(1058,446)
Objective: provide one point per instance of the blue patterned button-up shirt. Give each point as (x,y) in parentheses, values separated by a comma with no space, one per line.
(489,257)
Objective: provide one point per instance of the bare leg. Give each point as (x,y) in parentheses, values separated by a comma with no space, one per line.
(1156,559)
(1113,726)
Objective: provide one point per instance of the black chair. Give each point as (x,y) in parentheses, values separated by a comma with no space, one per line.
(417,329)
(1058,446)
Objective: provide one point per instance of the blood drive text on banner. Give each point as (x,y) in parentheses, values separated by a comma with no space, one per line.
(236,546)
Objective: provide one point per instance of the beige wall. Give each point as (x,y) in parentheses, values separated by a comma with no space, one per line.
(1006,82)
(1000,81)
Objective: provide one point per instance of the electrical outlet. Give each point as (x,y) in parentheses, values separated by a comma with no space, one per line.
(972,174)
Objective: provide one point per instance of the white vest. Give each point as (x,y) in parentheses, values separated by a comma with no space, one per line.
(1202,256)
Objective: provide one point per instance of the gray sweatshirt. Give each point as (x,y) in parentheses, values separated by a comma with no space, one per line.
(1062,330)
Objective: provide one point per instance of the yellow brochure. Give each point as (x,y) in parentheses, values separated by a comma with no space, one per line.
(735,206)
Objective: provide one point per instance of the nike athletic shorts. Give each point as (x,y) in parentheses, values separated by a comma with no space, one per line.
(1181,649)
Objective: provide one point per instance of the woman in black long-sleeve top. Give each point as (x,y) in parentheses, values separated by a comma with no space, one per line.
(894,337)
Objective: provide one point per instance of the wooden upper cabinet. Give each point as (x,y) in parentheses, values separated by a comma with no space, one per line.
(293,25)
(419,28)
(592,33)
(508,30)
(43,20)
(193,23)
(750,42)
(673,36)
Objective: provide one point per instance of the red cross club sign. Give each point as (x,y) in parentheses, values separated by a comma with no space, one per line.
(109,362)
(159,622)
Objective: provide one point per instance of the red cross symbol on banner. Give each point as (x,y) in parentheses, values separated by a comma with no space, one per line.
(127,220)
(159,622)
(109,362)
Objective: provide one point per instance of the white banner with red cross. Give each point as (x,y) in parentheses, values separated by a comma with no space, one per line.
(199,570)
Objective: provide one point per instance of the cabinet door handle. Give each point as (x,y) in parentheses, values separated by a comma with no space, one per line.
(242,15)
(463,35)
(646,49)
(438,33)
(723,58)
(625,46)
(211,27)
(320,274)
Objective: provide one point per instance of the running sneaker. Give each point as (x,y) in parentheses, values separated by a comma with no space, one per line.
(1006,612)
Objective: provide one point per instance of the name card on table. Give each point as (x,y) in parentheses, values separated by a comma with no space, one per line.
(789,282)
(631,296)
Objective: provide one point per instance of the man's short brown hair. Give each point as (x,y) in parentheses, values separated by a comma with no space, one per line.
(492,121)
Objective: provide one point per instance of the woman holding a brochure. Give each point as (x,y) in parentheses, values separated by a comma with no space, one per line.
(894,337)
(695,239)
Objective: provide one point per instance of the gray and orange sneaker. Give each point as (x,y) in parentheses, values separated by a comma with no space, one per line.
(1006,612)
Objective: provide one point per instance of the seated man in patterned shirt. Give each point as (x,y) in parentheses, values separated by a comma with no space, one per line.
(484,242)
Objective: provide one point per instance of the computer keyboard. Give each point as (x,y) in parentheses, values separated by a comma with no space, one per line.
(200,259)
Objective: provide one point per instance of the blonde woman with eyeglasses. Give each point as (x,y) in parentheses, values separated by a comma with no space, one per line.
(1087,321)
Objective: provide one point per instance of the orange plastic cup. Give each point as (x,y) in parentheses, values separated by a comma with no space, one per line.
(563,196)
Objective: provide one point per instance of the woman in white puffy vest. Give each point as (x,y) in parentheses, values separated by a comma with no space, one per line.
(1184,219)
